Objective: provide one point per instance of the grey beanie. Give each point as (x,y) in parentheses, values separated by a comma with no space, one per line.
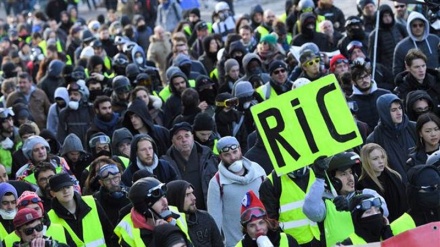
(31,142)
(72,143)
(226,141)
(243,89)
(230,63)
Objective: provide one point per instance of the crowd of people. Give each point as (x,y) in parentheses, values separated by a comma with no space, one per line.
(134,128)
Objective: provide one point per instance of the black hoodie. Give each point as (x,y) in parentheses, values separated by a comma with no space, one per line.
(412,98)
(310,36)
(173,105)
(159,134)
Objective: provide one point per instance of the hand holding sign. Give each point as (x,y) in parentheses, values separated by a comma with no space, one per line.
(320,166)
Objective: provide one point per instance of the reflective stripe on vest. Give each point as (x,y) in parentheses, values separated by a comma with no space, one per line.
(291,217)
(93,235)
(214,74)
(284,241)
(214,148)
(55,231)
(403,223)
(334,230)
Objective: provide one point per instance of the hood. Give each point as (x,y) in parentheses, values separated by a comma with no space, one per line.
(247,59)
(72,143)
(118,136)
(55,68)
(176,193)
(139,108)
(416,15)
(136,49)
(305,18)
(61,92)
(177,73)
(413,97)
(236,46)
(385,8)
(94,61)
(206,41)
(181,59)
(134,142)
(383,105)
(256,9)
(54,144)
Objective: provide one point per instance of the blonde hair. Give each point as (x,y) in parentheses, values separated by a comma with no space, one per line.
(367,169)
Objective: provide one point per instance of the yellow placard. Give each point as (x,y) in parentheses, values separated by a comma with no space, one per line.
(308,122)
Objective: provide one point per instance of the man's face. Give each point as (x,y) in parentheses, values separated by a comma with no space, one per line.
(357,52)
(396,113)
(203,135)
(112,182)
(145,152)
(417,28)
(279,76)
(269,17)
(347,180)
(421,106)
(104,34)
(369,9)
(363,82)
(234,72)
(193,18)
(35,234)
(9,202)
(3,174)
(231,156)
(326,28)
(254,64)
(73,156)
(8,125)
(246,35)
(179,84)
(400,8)
(125,148)
(311,67)
(161,205)
(64,195)
(75,96)
(24,84)
(183,141)
(202,33)
(341,68)
(102,147)
(136,121)
(258,17)
(105,111)
(189,205)
(43,179)
(39,152)
(417,69)
(182,49)
(387,18)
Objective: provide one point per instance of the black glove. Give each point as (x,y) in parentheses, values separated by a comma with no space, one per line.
(320,166)
(341,203)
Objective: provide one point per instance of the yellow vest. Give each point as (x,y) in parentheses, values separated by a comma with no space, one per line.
(356,240)
(125,161)
(55,231)
(284,241)
(93,236)
(3,232)
(283,18)
(337,224)
(262,30)
(319,19)
(126,231)
(165,93)
(292,218)
(403,223)
(266,90)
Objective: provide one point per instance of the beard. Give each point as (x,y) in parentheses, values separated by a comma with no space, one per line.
(106,117)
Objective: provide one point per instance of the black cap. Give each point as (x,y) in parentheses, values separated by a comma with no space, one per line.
(180,126)
(201,25)
(59,181)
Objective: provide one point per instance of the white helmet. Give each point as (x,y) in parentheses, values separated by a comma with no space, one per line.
(220,6)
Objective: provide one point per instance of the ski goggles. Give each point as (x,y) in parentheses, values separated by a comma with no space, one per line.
(369,203)
(24,203)
(429,188)
(107,170)
(227,148)
(227,103)
(158,191)
(250,213)
(101,139)
(6,112)
(354,44)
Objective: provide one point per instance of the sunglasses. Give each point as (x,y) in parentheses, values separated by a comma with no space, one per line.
(30,230)
(417,25)
(230,147)
(250,213)
(102,139)
(157,191)
(107,170)
(354,44)
(312,62)
(399,6)
(33,200)
(276,72)
(229,103)
(369,203)
(430,188)
(7,112)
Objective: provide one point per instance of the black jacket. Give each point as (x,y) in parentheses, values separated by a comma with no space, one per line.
(112,204)
(258,154)
(75,121)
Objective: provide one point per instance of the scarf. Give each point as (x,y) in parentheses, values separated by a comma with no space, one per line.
(106,127)
(139,220)
(150,168)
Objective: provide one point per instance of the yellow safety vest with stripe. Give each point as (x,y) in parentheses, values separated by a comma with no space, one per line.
(266,90)
(404,223)
(93,236)
(292,218)
(126,231)
(55,231)
(337,224)
(31,177)
(165,93)
(284,241)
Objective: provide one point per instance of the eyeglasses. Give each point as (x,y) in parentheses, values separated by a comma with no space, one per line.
(30,230)
(229,102)
(429,188)
(399,6)
(33,200)
(276,72)
(363,77)
(354,44)
(227,148)
(312,62)
(101,139)
(115,180)
(250,213)
(157,191)
(106,170)
(6,112)
(417,25)
(369,203)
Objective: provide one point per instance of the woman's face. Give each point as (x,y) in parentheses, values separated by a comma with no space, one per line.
(213,47)
(430,134)
(377,161)
(143,96)
(256,228)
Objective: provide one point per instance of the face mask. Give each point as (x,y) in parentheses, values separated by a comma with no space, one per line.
(8,215)
(139,60)
(7,143)
(370,228)
(74,105)
(103,153)
(429,200)
(255,71)
(236,166)
(94,94)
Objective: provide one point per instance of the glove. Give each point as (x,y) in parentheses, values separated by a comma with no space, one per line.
(341,203)
(320,166)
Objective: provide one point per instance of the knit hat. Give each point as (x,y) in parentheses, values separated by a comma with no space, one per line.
(29,197)
(230,63)
(423,176)
(277,64)
(87,52)
(31,142)
(300,82)
(7,188)
(226,141)
(243,89)
(144,173)
(72,143)
(203,121)
(59,181)
(251,208)
(25,216)
(8,69)
(180,126)
(269,38)
(201,25)
(337,60)
(195,11)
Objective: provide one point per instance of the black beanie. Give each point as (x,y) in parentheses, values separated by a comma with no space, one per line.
(203,121)
(195,11)
(8,70)
(167,235)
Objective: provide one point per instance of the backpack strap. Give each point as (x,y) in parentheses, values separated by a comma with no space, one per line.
(217,177)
